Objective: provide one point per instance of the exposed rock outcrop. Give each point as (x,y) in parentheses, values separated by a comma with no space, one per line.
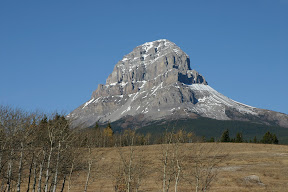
(155,81)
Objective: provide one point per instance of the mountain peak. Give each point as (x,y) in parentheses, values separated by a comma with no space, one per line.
(155,81)
(158,43)
(149,65)
(145,53)
(150,60)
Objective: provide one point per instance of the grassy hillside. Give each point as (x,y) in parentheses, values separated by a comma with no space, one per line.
(268,163)
(211,128)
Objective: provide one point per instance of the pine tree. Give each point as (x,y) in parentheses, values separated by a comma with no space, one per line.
(269,138)
(275,139)
(255,140)
(96,126)
(212,139)
(97,140)
(239,138)
(225,136)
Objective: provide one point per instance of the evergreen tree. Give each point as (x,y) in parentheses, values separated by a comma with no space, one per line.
(98,136)
(239,138)
(42,132)
(269,138)
(275,139)
(225,136)
(109,125)
(96,126)
(212,139)
(255,140)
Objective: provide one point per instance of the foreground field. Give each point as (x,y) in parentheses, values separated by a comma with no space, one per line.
(247,167)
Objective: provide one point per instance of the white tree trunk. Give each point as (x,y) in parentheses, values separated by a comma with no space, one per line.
(130,167)
(177,160)
(35,176)
(177,177)
(70,175)
(166,165)
(48,167)
(89,170)
(40,174)
(20,168)
(57,164)
(9,171)
(197,184)
(165,169)
(30,173)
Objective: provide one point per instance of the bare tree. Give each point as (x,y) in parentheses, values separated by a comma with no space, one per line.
(90,161)
(34,175)
(13,123)
(167,172)
(131,169)
(57,166)
(52,132)
(9,170)
(202,167)
(178,157)
(20,168)
(70,175)
(172,158)
(40,172)
(22,135)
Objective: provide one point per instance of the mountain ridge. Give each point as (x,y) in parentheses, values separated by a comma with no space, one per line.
(156,81)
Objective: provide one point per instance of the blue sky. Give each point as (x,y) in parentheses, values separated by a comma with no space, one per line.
(53,54)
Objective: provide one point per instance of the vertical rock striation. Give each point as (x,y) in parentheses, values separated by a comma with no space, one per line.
(155,81)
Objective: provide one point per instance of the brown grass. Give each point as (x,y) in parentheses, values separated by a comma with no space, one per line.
(268,162)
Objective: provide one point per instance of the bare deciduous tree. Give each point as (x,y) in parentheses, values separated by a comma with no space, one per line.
(202,165)
(131,169)
(172,159)
(90,161)
(166,161)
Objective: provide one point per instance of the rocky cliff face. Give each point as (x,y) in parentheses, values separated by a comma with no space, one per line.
(155,81)
(149,64)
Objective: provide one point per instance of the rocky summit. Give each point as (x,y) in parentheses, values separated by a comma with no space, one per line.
(155,81)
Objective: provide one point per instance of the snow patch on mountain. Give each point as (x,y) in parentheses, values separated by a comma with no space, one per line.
(87,103)
(211,96)
(156,81)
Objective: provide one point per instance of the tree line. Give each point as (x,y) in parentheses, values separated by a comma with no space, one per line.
(41,152)
(104,136)
(37,152)
(268,138)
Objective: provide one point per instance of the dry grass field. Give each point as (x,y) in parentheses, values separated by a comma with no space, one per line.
(247,167)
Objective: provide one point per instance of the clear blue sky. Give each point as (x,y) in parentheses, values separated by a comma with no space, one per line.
(53,54)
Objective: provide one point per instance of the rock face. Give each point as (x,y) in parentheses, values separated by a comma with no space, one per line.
(155,81)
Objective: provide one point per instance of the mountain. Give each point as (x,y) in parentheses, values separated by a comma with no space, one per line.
(155,82)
